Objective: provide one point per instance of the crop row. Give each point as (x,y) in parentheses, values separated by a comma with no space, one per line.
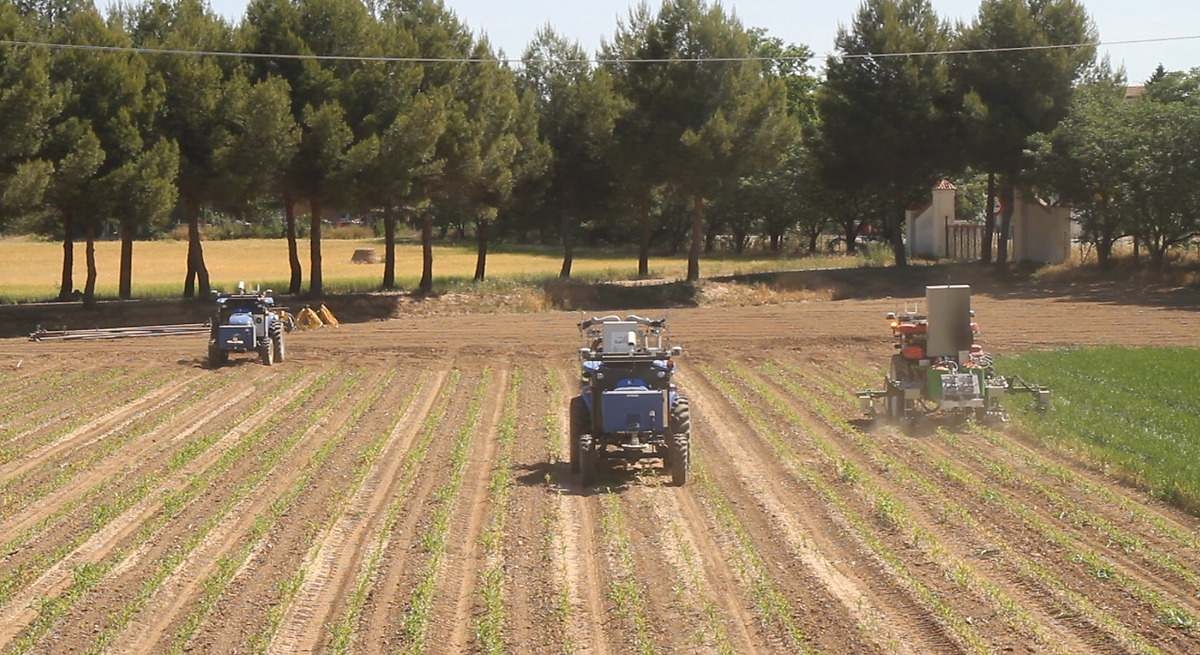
(342,633)
(215,584)
(113,498)
(490,626)
(936,493)
(86,576)
(415,623)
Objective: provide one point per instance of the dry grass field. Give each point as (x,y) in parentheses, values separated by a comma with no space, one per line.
(30,270)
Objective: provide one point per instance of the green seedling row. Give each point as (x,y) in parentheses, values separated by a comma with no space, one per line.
(216,583)
(88,575)
(288,588)
(115,500)
(959,628)
(625,590)
(342,633)
(894,468)
(489,628)
(414,626)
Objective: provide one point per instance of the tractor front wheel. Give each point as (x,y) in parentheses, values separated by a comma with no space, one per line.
(587,460)
(579,425)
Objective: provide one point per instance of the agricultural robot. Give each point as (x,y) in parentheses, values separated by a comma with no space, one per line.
(628,407)
(939,367)
(243,323)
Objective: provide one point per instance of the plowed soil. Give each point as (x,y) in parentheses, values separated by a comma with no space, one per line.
(402,486)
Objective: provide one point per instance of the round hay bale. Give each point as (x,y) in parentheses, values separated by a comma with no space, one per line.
(364,256)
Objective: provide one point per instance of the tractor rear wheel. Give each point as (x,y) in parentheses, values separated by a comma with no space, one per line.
(679,442)
(267,352)
(579,425)
(216,356)
(587,460)
(277,341)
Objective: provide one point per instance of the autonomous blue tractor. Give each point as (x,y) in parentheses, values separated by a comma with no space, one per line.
(628,407)
(245,323)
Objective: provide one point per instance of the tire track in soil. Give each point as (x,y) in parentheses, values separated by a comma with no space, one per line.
(106,425)
(530,581)
(55,483)
(387,599)
(662,526)
(464,557)
(241,610)
(1034,595)
(304,626)
(582,554)
(76,407)
(115,548)
(167,608)
(1092,488)
(1018,514)
(873,604)
(122,525)
(720,582)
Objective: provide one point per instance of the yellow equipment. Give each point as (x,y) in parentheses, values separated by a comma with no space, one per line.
(310,319)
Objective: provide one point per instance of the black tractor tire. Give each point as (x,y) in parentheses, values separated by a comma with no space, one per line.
(587,460)
(216,356)
(580,424)
(678,458)
(277,341)
(266,352)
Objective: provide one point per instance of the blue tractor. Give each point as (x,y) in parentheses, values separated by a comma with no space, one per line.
(628,407)
(245,323)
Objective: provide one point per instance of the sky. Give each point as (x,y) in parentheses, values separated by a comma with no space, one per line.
(510,24)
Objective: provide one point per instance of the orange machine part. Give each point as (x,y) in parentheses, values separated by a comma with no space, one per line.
(912,352)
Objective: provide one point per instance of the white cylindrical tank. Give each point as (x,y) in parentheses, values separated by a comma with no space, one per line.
(949,313)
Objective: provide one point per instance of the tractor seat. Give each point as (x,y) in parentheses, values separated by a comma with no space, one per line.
(241,319)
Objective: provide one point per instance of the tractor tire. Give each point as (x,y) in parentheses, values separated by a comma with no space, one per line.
(267,353)
(277,341)
(678,457)
(579,421)
(216,356)
(587,461)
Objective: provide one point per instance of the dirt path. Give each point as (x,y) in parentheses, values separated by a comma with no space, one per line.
(348,501)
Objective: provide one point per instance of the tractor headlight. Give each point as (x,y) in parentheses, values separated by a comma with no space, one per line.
(662,374)
(599,375)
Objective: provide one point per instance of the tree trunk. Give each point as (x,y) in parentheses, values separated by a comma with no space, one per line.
(851,228)
(1104,252)
(289,213)
(315,284)
(693,270)
(1137,251)
(481,238)
(389,249)
(1007,197)
(426,284)
(989,220)
(125,287)
(568,241)
(67,287)
(197,271)
(894,224)
(710,239)
(812,242)
(89,289)
(644,244)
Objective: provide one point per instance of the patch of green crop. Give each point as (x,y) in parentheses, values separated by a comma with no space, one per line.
(1135,411)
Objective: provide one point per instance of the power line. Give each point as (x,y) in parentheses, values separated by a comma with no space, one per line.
(587,60)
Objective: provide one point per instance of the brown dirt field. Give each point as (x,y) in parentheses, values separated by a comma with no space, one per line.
(347,500)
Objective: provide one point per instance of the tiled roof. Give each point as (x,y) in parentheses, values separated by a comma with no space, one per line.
(945,185)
